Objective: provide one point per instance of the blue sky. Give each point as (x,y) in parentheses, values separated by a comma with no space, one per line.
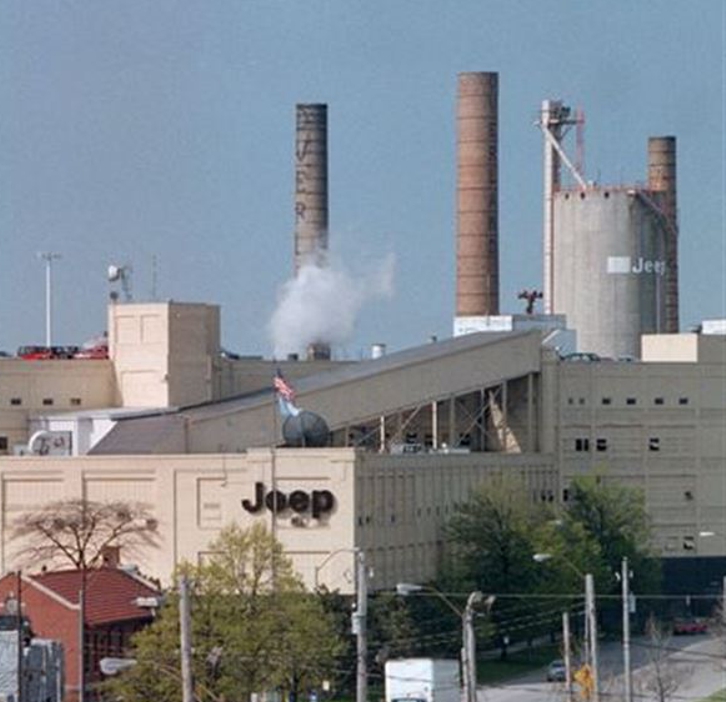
(152,129)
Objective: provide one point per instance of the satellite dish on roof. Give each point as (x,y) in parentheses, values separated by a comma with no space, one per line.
(122,274)
(306,429)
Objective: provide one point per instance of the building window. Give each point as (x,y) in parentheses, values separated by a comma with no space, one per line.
(601,444)
(654,443)
(631,401)
(3,443)
(16,401)
(658,401)
(76,401)
(47,400)
(682,400)
(606,400)
(565,495)
(570,400)
(582,444)
(582,400)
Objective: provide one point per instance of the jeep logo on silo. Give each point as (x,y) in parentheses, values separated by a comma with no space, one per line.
(625,264)
(317,502)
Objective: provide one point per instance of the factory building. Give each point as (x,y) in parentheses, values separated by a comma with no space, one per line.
(411,435)
(170,420)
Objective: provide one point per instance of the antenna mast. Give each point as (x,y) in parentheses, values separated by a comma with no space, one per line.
(48,257)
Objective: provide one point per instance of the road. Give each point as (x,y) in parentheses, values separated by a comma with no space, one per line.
(696,662)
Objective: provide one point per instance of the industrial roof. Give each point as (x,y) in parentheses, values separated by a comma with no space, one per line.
(165,433)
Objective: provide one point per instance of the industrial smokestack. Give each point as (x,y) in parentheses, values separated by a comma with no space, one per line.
(662,180)
(311,184)
(477,257)
(311,195)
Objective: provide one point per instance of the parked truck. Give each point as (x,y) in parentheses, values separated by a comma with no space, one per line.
(422,680)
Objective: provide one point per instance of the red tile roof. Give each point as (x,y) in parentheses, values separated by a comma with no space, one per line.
(110,593)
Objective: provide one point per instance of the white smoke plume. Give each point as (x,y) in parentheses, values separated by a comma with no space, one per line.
(322,304)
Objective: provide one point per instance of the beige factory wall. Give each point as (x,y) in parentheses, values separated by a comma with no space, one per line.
(669,348)
(164,354)
(29,388)
(658,426)
(403,502)
(392,507)
(192,497)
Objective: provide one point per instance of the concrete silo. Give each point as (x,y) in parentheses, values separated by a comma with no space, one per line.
(609,277)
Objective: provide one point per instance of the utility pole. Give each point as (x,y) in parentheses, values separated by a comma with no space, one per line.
(360,626)
(568,658)
(48,257)
(20,636)
(82,638)
(185,621)
(627,670)
(468,653)
(592,619)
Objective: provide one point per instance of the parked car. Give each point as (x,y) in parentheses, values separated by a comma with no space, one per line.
(46,353)
(689,627)
(94,352)
(582,357)
(556,671)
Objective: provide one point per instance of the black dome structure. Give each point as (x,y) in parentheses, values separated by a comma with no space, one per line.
(306,429)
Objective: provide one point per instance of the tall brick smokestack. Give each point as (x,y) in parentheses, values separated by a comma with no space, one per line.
(662,180)
(311,184)
(477,241)
(311,197)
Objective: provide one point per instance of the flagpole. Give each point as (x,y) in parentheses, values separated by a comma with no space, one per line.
(273,466)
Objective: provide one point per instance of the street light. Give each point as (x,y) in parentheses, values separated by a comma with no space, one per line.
(590,617)
(468,648)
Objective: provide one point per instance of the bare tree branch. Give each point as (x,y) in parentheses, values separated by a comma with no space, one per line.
(79,531)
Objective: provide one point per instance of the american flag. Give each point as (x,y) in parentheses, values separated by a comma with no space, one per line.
(283,388)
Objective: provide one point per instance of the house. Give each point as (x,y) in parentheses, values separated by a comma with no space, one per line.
(116,604)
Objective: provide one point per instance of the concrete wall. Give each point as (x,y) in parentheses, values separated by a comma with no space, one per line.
(164,354)
(657,426)
(29,388)
(393,507)
(670,348)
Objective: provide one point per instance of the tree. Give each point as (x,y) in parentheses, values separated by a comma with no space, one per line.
(493,544)
(662,677)
(254,628)
(495,536)
(79,531)
(615,517)
(491,538)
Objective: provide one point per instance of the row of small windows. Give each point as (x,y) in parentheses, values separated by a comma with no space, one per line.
(628,401)
(437,510)
(47,401)
(601,444)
